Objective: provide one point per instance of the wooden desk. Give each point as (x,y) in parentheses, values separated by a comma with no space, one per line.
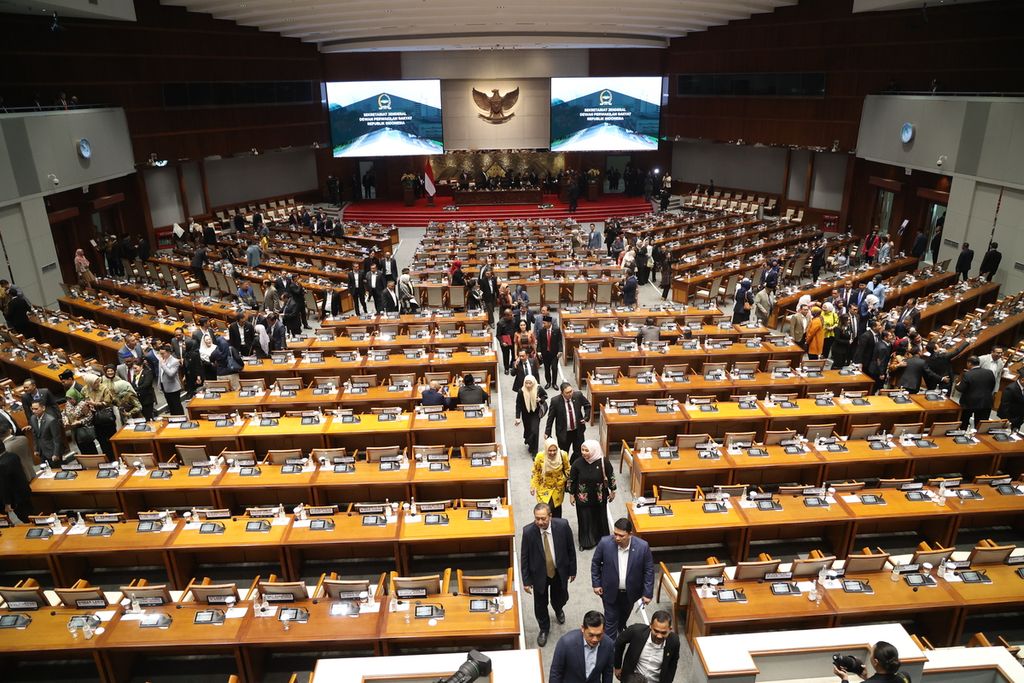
(647,422)
(883,410)
(19,553)
(79,553)
(930,520)
(1004,595)
(460,535)
(459,625)
(48,634)
(456,430)
(994,509)
(234,545)
(948,456)
(805,412)
(180,490)
(859,460)
(622,388)
(270,487)
(727,417)
(689,524)
(796,520)
(348,539)
(86,490)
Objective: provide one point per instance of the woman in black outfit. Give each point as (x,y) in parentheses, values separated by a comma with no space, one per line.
(591,487)
(192,366)
(531,404)
(842,342)
(885,660)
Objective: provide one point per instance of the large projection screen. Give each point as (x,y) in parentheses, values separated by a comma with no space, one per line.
(385,118)
(605,114)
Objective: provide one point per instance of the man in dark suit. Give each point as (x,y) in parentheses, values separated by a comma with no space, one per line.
(865,350)
(141,377)
(357,286)
(916,370)
(276,331)
(389,297)
(242,335)
(389,266)
(547,556)
(584,656)
(878,368)
(629,286)
(15,492)
(49,437)
(647,654)
(964,261)
(568,413)
(30,392)
(549,344)
(976,388)
(908,317)
(433,396)
(374,285)
(941,363)
(1011,407)
(622,572)
(990,262)
(920,245)
(524,366)
(856,296)
(331,306)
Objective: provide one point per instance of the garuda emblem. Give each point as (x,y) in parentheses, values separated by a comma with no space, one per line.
(496,105)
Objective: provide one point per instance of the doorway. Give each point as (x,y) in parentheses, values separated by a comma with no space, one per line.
(616,164)
(936,219)
(881,213)
(367,180)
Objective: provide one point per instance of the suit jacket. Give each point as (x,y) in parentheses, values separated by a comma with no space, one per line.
(941,362)
(144,385)
(629,291)
(865,350)
(242,337)
(333,306)
(277,337)
(906,320)
(1011,407)
(168,377)
(429,397)
(990,262)
(46,397)
(393,275)
(543,347)
(530,367)
(964,260)
(856,297)
(374,290)
(14,487)
(49,436)
(531,553)
(630,644)
(390,300)
(976,389)
(357,283)
(604,569)
(569,666)
(917,369)
(560,419)
(880,360)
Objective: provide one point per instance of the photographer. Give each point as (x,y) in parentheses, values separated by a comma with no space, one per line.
(885,660)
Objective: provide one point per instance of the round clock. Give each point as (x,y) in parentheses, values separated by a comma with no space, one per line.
(907,132)
(84,148)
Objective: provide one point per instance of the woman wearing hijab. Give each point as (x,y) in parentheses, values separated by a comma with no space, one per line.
(591,487)
(550,474)
(830,320)
(262,346)
(192,366)
(126,400)
(85,276)
(206,349)
(504,297)
(98,392)
(531,404)
(841,342)
(744,302)
(815,335)
(458,278)
(408,301)
(227,362)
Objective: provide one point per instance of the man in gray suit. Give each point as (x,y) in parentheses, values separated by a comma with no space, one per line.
(48,434)
(168,380)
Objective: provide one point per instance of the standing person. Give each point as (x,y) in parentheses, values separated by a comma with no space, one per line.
(976,388)
(994,362)
(1011,406)
(168,380)
(140,377)
(936,244)
(841,342)
(622,572)
(817,261)
(192,365)
(647,653)
(199,259)
(99,393)
(885,251)
(253,254)
(990,262)
(915,369)
(525,342)
(290,313)
(574,196)
(941,363)
(489,287)
(550,476)
(227,361)
(17,311)
(76,416)
(531,404)
(49,437)
(815,335)
(666,276)
(82,270)
(591,487)
(920,245)
(374,284)
(242,334)
(594,239)
(357,287)
(964,261)
(870,246)
(878,369)
(504,331)
(547,559)
(764,304)
(830,321)
(568,413)
(744,302)
(410,301)
(584,656)
(549,343)
(16,494)
(525,366)
(629,288)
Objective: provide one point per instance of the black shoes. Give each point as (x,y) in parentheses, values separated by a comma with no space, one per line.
(542,639)
(560,616)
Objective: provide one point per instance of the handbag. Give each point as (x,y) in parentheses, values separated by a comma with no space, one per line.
(505,340)
(234,361)
(104,417)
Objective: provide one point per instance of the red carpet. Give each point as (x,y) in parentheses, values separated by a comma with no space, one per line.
(396,213)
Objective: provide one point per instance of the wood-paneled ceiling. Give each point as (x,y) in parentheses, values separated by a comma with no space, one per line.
(404,25)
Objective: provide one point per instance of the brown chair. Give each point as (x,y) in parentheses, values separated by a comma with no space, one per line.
(900,430)
(375,453)
(775,438)
(862,432)
(933,554)
(147,460)
(503,582)
(435,584)
(866,561)
(677,493)
(747,571)
(739,437)
(942,428)
(332,587)
(281,456)
(690,441)
(988,552)
(91,462)
(894,483)
(812,564)
(80,590)
(847,486)
(678,591)
(815,432)
(205,588)
(191,453)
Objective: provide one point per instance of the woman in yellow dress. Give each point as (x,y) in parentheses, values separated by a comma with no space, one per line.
(550,473)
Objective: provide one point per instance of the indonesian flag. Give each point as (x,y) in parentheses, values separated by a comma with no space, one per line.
(428,178)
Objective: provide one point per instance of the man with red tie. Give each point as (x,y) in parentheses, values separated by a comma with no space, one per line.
(549,344)
(568,412)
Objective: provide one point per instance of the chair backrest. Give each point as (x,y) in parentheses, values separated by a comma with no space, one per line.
(217,384)
(847,486)
(27,590)
(815,432)
(369,380)
(328,453)
(734,490)
(238,455)
(147,460)
(637,370)
(986,426)
(777,364)
(932,555)
(652,442)
(503,582)
(739,437)
(690,573)
(861,432)
(191,453)
(375,453)
(80,590)
(810,566)
(203,591)
(745,366)
(894,483)
(435,584)
(866,562)
(677,493)
(257,384)
(942,428)
(91,462)
(774,438)
(900,430)
(746,571)
(690,441)
(281,456)
(327,381)
(987,552)
(471,449)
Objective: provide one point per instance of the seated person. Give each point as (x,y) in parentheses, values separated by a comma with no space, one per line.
(471,393)
(433,396)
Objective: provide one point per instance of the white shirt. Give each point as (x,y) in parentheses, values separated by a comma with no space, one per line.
(993,366)
(651,657)
(623,564)
(546,533)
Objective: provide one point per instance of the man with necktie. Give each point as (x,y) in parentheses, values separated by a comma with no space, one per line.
(49,437)
(30,392)
(568,413)
(547,557)
(549,344)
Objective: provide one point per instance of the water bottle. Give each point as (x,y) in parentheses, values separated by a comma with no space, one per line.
(895,575)
(135,607)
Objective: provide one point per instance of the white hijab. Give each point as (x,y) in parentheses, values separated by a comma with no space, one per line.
(529,393)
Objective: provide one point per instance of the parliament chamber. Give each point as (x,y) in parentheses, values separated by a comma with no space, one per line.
(347,343)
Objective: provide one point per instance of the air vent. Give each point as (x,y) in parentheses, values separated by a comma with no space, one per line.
(1018,266)
(951,243)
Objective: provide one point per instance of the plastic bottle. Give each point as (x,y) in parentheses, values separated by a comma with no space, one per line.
(895,575)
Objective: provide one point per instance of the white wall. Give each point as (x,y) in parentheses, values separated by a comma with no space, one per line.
(237,180)
(164,200)
(796,190)
(486,64)
(29,258)
(528,128)
(193,188)
(828,181)
(759,169)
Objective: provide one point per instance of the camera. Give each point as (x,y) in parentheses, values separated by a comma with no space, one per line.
(475,666)
(849,664)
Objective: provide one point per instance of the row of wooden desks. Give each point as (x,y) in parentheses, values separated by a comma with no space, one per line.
(345,364)
(221,487)
(575,335)
(695,355)
(759,416)
(162,298)
(839,524)
(938,611)
(284,542)
(813,462)
(248,635)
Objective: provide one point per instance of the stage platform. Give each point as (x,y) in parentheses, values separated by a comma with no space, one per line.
(418,215)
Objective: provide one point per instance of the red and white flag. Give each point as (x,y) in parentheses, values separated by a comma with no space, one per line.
(428,178)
